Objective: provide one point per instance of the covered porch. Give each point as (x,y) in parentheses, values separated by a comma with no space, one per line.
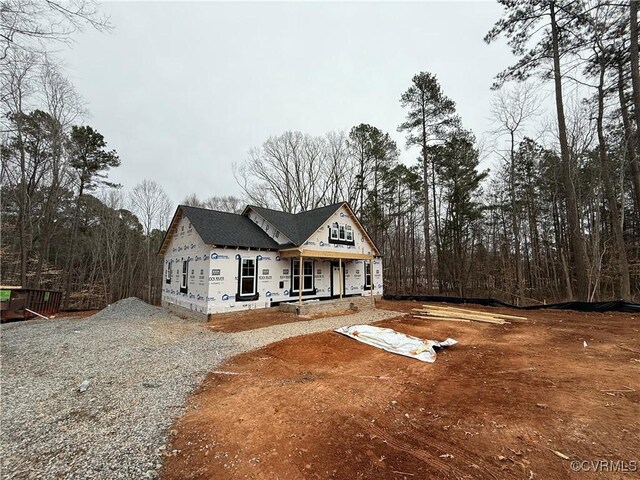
(303,272)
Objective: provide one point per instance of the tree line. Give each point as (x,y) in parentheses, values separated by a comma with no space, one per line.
(557,218)
(546,208)
(64,225)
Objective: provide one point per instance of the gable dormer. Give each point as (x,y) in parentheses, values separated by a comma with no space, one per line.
(268,227)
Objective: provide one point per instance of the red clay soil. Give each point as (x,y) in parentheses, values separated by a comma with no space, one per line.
(266,317)
(496,406)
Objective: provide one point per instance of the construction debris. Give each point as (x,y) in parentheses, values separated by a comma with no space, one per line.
(439,312)
(560,454)
(83,386)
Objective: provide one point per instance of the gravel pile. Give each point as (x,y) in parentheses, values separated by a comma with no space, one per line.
(93,398)
(129,307)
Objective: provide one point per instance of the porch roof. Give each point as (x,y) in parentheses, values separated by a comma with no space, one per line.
(345,255)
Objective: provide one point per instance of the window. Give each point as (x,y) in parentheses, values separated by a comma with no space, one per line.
(247,279)
(307,276)
(367,275)
(341,233)
(169,272)
(334,231)
(247,276)
(185,273)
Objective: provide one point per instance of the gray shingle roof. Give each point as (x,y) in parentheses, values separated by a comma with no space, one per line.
(227,229)
(298,227)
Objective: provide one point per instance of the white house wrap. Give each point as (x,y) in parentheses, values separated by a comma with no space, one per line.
(218,262)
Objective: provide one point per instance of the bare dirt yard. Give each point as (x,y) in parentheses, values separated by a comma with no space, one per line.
(507,402)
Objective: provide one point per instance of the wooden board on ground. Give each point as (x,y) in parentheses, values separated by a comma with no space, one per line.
(476,318)
(475,312)
(451,319)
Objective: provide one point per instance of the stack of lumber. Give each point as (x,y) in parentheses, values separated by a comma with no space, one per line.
(439,312)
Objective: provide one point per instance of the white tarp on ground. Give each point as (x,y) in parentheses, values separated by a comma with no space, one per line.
(396,342)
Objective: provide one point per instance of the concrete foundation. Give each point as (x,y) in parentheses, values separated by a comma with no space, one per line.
(185,312)
(311,307)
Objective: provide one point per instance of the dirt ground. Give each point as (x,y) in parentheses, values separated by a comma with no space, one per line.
(75,314)
(251,319)
(496,406)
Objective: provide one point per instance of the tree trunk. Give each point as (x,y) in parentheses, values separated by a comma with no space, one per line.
(436,230)
(52,203)
(515,223)
(576,239)
(630,140)
(72,249)
(23,208)
(425,175)
(625,286)
(560,245)
(635,73)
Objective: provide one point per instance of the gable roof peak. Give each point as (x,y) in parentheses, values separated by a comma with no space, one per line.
(297,227)
(223,229)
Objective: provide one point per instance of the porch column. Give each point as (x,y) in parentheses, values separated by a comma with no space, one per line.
(341,285)
(300,281)
(373,300)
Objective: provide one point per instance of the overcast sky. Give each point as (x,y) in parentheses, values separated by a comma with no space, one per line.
(183,90)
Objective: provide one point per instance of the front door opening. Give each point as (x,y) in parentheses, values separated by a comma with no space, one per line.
(335,280)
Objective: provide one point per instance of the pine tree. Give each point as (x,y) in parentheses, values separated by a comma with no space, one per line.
(430,117)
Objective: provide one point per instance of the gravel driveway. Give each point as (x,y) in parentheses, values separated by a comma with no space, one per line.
(138,364)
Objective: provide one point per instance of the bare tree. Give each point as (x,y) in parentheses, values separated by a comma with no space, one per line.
(192,200)
(149,202)
(29,25)
(225,203)
(65,107)
(32,84)
(511,108)
(16,88)
(286,172)
(340,168)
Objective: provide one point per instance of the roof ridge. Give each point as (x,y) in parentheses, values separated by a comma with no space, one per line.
(320,208)
(270,209)
(209,210)
(336,204)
